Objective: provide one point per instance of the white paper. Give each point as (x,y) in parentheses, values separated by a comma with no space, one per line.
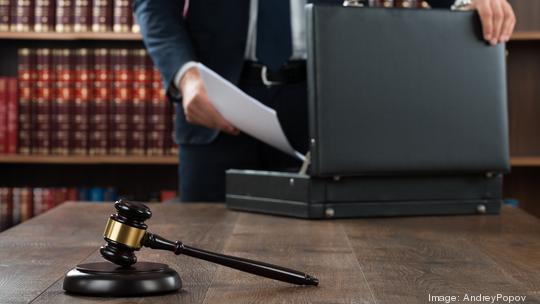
(244,112)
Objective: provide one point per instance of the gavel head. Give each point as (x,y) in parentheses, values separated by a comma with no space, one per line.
(124,232)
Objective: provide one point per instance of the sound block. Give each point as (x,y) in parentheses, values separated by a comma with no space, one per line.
(105,279)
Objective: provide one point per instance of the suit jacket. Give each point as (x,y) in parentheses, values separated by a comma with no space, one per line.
(213,32)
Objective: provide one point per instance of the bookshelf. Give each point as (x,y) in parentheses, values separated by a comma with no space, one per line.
(146,173)
(88,160)
(70,36)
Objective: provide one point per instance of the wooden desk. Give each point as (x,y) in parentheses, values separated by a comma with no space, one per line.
(397,260)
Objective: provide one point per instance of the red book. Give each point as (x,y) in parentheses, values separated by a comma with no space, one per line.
(157,118)
(42,103)
(22,17)
(99,104)
(4,15)
(62,102)
(72,194)
(141,94)
(122,16)
(27,204)
(6,208)
(38,201)
(16,207)
(82,97)
(64,15)
(82,16)
(120,106)
(26,78)
(44,15)
(102,11)
(48,198)
(12,116)
(3,115)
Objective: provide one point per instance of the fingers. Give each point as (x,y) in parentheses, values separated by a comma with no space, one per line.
(199,110)
(509,22)
(486,16)
(498,20)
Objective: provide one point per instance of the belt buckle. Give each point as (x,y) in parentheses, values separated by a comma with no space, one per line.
(264,78)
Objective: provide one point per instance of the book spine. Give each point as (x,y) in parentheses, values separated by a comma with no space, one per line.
(5,15)
(102,11)
(61,107)
(64,15)
(122,16)
(82,96)
(3,115)
(38,201)
(120,107)
(6,208)
(44,15)
(22,16)
(16,206)
(26,79)
(157,119)
(135,28)
(42,103)
(82,16)
(99,104)
(141,93)
(170,146)
(12,115)
(27,205)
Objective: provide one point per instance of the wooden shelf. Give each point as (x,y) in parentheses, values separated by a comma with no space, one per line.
(521,35)
(525,161)
(516,161)
(526,35)
(89,160)
(70,36)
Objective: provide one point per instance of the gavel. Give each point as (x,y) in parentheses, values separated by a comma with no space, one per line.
(126,232)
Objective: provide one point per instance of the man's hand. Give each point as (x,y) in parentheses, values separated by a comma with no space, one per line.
(498,19)
(197,107)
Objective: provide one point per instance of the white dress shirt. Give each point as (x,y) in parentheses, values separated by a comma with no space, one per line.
(298,36)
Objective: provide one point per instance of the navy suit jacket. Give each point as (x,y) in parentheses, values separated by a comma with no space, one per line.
(214,32)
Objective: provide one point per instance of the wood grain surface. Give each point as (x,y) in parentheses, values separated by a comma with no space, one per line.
(382,260)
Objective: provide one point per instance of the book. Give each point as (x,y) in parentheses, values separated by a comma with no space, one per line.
(102,11)
(26,77)
(41,103)
(12,116)
(64,15)
(122,16)
(3,115)
(44,15)
(142,79)
(61,105)
(99,104)
(121,101)
(82,97)
(82,19)
(6,208)
(22,16)
(5,15)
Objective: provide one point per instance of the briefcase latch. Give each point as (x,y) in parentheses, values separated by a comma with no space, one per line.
(353,3)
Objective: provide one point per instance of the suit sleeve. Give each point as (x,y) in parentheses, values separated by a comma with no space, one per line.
(165,36)
(441,3)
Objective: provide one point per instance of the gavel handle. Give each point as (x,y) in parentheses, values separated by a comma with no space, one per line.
(255,267)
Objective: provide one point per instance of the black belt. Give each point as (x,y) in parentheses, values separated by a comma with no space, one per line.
(291,72)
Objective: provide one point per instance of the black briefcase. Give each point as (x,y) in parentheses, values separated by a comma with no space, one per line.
(408,116)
